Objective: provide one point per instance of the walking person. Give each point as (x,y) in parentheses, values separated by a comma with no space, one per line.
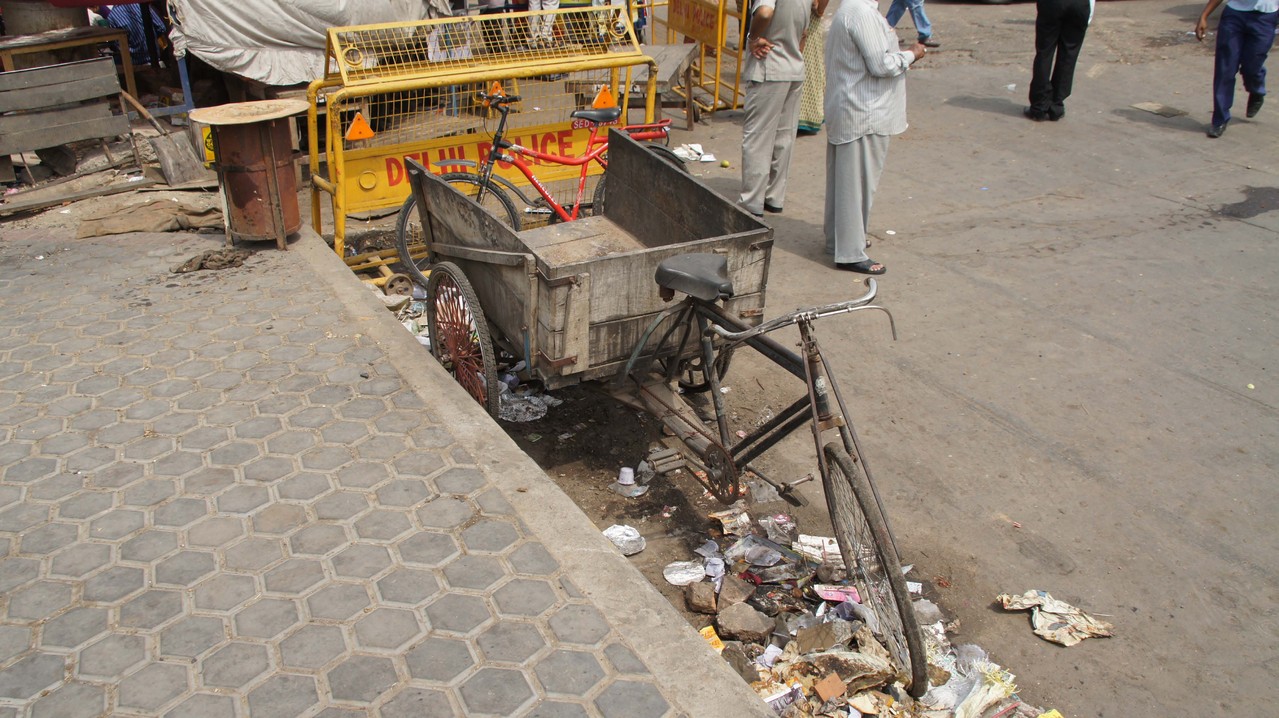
(1060,26)
(923,28)
(774,75)
(865,107)
(1244,36)
(541,28)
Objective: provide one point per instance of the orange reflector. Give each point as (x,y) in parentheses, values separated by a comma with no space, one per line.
(604,99)
(494,89)
(359,129)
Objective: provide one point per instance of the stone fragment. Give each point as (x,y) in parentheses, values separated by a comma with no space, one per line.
(740,622)
(734,590)
(736,656)
(700,597)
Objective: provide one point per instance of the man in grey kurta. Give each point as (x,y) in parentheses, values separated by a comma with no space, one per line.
(865,106)
(774,75)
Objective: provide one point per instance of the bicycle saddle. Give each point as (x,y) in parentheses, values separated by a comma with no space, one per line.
(704,276)
(608,114)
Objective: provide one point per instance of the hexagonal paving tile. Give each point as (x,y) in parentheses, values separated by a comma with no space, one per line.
(30,675)
(224,592)
(215,531)
(573,673)
(403,493)
(204,705)
(313,646)
(489,535)
(361,561)
(413,702)
(624,660)
(558,709)
(114,584)
(406,585)
(439,659)
(112,657)
(428,549)
(48,538)
(279,519)
(149,545)
(476,572)
(283,695)
(39,600)
(253,554)
(154,686)
(150,609)
(524,597)
(460,480)
(510,642)
(77,626)
(116,524)
(382,525)
(496,690)
(340,505)
(445,512)
(318,539)
(387,628)
(294,576)
(71,700)
(337,601)
(361,679)
(458,613)
(233,665)
(631,699)
(267,618)
(185,568)
(191,636)
(579,624)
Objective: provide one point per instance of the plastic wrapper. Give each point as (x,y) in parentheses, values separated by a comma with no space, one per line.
(1054,620)
(625,538)
(682,573)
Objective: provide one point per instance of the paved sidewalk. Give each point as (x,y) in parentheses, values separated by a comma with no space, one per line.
(249,492)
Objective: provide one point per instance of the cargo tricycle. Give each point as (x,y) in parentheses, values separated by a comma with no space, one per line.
(650,297)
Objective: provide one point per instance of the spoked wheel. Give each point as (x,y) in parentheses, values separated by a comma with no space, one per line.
(460,336)
(721,475)
(868,553)
(410,242)
(692,377)
(668,156)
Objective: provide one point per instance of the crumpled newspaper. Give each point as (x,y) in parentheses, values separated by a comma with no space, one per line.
(1054,620)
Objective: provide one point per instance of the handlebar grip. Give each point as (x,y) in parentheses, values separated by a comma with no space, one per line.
(498,99)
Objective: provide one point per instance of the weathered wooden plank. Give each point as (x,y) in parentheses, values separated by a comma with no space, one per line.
(49,96)
(18,133)
(577,326)
(32,204)
(6,169)
(51,75)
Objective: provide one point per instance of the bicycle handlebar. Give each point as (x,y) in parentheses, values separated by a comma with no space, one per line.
(499,99)
(807,315)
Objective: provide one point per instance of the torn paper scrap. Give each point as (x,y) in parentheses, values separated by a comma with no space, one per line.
(1054,620)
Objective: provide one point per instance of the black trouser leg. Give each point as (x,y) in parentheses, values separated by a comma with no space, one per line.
(1074,25)
(1047,30)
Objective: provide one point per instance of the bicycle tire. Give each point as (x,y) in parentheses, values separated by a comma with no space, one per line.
(409,243)
(867,548)
(668,156)
(460,338)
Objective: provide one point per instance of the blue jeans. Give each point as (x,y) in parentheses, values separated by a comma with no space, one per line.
(923,28)
(1243,41)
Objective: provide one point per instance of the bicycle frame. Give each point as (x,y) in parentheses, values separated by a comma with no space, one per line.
(596,145)
(815,407)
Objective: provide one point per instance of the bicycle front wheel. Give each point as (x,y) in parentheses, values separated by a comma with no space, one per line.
(867,547)
(409,240)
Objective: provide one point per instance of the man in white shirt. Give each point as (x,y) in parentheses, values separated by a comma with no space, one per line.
(1244,36)
(774,75)
(865,106)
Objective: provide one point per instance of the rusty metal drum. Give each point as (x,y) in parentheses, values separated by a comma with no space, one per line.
(253,146)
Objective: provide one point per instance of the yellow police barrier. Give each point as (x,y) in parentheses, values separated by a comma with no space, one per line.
(408,90)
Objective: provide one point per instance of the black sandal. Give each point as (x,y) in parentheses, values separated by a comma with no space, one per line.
(864,267)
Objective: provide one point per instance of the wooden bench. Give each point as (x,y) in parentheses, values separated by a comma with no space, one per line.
(54,105)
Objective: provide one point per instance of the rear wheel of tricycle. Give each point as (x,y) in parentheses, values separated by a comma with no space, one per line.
(665,153)
(460,335)
(411,243)
(873,564)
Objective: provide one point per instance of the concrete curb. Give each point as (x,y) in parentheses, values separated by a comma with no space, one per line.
(691,675)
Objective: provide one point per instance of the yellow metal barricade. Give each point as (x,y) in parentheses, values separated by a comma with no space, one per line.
(408,90)
(719,27)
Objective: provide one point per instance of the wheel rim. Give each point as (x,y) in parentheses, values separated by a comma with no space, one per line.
(721,475)
(456,341)
(857,543)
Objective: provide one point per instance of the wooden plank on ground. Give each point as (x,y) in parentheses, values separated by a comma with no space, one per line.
(55,74)
(34,204)
(90,88)
(35,130)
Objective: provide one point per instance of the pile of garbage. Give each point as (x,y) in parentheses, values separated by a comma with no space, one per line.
(788,619)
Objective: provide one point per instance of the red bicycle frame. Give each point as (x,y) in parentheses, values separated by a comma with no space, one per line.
(596,146)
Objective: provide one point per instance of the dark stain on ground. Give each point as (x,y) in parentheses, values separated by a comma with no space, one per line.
(1257,201)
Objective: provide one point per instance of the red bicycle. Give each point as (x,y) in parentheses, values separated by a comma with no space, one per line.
(494,192)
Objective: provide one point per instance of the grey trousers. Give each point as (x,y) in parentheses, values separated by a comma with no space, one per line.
(768,135)
(853,170)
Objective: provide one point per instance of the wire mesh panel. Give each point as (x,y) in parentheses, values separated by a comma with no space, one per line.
(464,45)
(411,90)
